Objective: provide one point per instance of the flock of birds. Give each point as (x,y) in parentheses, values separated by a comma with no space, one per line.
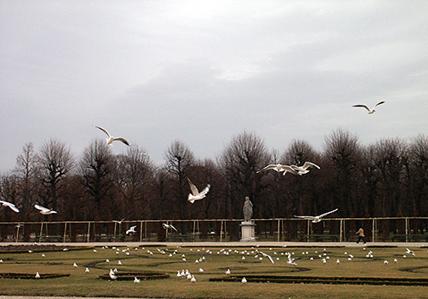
(243,255)
(195,194)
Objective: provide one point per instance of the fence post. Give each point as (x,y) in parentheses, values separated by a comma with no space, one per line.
(308,233)
(279,230)
(141,231)
(373,229)
(17,232)
(221,230)
(41,232)
(341,230)
(65,232)
(89,232)
(406,223)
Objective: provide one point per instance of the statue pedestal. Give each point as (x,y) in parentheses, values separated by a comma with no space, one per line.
(248,231)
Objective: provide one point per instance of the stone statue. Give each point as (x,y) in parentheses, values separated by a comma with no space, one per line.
(247,209)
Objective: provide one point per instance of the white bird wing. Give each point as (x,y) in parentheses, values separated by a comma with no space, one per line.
(205,191)
(362,106)
(289,168)
(306,165)
(104,130)
(13,208)
(172,226)
(193,188)
(10,205)
(325,214)
(121,139)
(305,217)
(268,256)
(165,226)
(40,208)
(380,103)
(269,167)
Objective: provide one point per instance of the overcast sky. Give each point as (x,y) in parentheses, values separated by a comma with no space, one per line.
(204,71)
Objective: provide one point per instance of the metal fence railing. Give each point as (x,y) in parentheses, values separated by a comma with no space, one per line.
(391,229)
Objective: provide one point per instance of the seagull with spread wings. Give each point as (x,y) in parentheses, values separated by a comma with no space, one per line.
(195,194)
(45,211)
(110,139)
(168,226)
(279,168)
(9,205)
(131,230)
(370,110)
(316,219)
(304,169)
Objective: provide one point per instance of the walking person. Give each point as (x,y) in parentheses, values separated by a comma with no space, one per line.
(361,236)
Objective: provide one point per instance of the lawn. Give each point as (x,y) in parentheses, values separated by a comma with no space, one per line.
(214,262)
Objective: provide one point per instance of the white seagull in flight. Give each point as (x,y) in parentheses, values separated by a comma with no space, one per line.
(168,226)
(370,110)
(131,230)
(45,211)
(9,205)
(279,168)
(195,194)
(301,170)
(110,138)
(316,219)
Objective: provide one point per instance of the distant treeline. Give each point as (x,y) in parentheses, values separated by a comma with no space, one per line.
(388,178)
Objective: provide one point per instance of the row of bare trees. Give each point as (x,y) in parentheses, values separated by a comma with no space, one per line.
(388,178)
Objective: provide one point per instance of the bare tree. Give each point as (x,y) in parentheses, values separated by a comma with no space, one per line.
(243,157)
(55,162)
(390,158)
(418,155)
(179,158)
(134,176)
(303,197)
(26,168)
(342,155)
(97,171)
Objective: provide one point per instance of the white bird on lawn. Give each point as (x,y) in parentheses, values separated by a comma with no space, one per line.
(370,110)
(136,280)
(9,205)
(279,168)
(110,139)
(37,275)
(244,280)
(45,211)
(169,226)
(131,230)
(316,219)
(301,170)
(112,275)
(194,192)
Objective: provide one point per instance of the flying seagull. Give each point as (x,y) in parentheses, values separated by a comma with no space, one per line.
(168,226)
(45,211)
(9,205)
(110,138)
(316,219)
(131,230)
(195,194)
(279,168)
(301,170)
(370,110)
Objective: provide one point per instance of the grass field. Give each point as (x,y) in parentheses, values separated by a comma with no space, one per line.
(170,260)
